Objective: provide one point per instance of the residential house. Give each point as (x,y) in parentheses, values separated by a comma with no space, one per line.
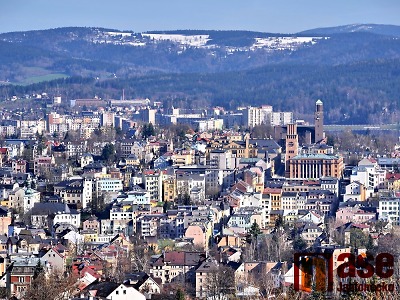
(200,233)
(55,259)
(46,215)
(43,164)
(110,290)
(20,274)
(176,266)
(192,185)
(92,223)
(5,220)
(77,192)
(153,180)
(202,273)
(310,232)
(355,191)
(354,214)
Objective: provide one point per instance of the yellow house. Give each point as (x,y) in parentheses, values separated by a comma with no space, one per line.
(127,207)
(242,149)
(275,196)
(89,236)
(392,182)
(5,202)
(183,158)
(132,160)
(169,189)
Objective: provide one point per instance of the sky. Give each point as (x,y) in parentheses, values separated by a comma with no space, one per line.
(279,16)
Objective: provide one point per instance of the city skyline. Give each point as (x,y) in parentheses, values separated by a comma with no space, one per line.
(287,16)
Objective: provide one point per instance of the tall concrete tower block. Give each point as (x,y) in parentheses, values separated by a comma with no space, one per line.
(319,121)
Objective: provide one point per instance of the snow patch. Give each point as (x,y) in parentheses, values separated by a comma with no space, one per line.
(283,43)
(190,40)
(114,33)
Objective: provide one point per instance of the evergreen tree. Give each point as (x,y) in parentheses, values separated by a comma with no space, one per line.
(38,269)
(166,206)
(299,244)
(179,295)
(108,153)
(253,232)
(148,130)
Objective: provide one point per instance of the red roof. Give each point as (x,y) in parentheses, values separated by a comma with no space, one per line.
(272,191)
(241,186)
(394,176)
(175,257)
(311,182)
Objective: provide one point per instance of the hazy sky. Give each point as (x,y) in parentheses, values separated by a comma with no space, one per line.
(284,16)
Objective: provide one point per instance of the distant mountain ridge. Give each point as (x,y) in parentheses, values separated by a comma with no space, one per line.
(353,68)
(104,53)
(392,30)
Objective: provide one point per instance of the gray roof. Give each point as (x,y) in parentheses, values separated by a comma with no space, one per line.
(103,289)
(51,208)
(267,144)
(289,194)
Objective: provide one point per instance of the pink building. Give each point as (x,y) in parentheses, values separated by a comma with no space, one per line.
(354,214)
(91,224)
(199,233)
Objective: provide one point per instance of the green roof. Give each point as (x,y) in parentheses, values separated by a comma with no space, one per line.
(316,156)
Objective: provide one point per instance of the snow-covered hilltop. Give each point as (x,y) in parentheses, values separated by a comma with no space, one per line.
(189,40)
(275,43)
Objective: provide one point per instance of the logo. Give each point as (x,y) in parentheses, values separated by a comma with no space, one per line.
(315,271)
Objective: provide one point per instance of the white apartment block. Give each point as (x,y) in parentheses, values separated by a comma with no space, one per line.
(370,176)
(118,214)
(153,183)
(281,118)
(389,210)
(68,217)
(112,185)
(210,125)
(254,116)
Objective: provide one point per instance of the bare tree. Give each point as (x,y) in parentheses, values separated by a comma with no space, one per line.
(220,283)
(139,255)
(57,285)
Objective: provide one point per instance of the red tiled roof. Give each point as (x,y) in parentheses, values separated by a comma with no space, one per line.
(272,191)
(241,186)
(175,257)
(311,182)
(394,176)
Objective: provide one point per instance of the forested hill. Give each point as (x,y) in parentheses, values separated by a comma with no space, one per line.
(32,56)
(354,69)
(356,93)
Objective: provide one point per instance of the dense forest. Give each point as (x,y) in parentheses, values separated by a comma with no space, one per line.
(352,94)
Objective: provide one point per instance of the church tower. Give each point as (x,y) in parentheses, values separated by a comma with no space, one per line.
(292,144)
(319,121)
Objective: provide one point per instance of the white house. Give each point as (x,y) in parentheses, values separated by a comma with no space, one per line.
(108,185)
(355,191)
(55,259)
(126,292)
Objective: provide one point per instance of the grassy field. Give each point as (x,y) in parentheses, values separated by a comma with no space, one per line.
(40,78)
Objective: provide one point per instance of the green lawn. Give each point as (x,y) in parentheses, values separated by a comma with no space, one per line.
(40,78)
